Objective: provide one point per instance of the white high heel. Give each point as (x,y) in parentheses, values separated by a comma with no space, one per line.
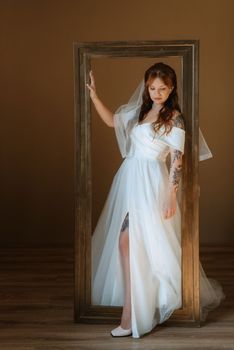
(121,332)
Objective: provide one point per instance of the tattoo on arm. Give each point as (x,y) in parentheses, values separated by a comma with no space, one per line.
(175,169)
(176,156)
(176,175)
(178,121)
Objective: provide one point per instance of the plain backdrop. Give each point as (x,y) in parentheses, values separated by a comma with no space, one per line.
(37,106)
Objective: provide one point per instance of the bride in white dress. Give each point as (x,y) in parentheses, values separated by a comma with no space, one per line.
(136,245)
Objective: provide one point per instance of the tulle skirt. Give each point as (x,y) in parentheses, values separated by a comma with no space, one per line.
(154,248)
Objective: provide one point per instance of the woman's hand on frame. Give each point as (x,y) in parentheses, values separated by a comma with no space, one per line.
(91,86)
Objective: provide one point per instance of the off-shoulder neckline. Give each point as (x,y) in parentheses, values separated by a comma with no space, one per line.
(173,127)
(150,123)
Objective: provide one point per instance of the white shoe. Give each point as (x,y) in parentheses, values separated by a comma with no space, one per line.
(121,332)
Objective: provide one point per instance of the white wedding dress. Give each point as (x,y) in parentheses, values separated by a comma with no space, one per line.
(138,188)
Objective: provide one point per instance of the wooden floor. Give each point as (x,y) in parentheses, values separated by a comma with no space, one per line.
(36,308)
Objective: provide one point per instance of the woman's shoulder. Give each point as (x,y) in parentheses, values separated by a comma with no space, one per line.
(178,119)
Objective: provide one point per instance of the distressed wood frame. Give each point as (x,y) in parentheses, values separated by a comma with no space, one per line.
(188,51)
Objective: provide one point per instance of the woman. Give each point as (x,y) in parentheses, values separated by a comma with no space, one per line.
(136,246)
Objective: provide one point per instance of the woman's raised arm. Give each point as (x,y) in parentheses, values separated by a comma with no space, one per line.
(106,115)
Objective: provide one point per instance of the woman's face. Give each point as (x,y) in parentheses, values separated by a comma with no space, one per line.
(159,91)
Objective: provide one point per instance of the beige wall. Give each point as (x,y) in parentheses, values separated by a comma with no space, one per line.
(37,121)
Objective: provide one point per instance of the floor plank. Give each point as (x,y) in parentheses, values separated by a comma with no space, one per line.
(36,308)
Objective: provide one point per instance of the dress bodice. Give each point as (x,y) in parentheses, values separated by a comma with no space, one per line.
(130,136)
(143,142)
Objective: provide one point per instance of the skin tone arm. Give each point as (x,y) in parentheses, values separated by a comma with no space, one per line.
(175,174)
(174,179)
(105,114)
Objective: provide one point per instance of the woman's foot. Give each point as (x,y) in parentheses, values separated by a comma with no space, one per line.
(121,332)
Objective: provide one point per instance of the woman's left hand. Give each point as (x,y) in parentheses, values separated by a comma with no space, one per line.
(169,206)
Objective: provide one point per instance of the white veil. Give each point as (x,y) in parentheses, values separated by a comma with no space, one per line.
(127,114)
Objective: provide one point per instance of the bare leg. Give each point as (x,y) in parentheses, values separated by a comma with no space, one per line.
(124,250)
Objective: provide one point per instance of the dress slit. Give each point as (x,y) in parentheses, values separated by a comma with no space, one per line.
(125,223)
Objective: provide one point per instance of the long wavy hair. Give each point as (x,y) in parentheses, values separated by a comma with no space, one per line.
(168,76)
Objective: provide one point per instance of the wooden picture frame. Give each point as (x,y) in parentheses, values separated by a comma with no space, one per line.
(188,51)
